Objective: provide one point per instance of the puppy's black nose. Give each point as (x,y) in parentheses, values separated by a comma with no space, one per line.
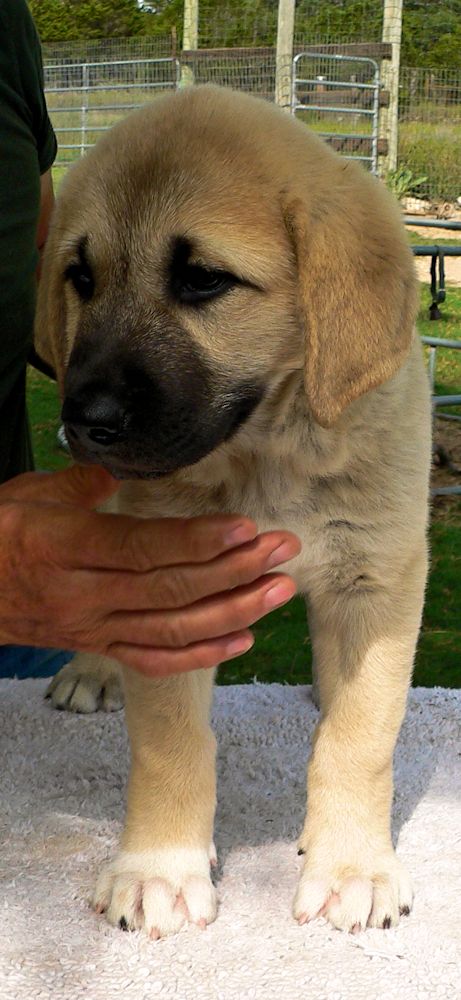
(101,418)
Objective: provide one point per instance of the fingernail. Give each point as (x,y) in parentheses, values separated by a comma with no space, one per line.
(280,554)
(238,646)
(279,594)
(241,533)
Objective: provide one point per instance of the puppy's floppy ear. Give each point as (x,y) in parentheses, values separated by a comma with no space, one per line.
(357,288)
(50,315)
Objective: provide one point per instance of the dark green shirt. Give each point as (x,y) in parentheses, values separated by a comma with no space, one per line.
(27,149)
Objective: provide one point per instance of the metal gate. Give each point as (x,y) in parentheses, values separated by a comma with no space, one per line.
(87,98)
(338,97)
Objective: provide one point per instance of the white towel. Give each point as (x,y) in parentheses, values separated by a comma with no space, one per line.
(63,779)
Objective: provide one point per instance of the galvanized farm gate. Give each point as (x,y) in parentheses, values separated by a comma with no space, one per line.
(339,96)
(87,98)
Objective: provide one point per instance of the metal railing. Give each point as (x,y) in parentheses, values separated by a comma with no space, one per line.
(434,344)
(438,294)
(437,253)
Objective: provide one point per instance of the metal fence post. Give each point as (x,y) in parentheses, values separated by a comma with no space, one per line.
(85,98)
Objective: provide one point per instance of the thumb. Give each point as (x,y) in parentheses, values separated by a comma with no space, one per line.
(81,485)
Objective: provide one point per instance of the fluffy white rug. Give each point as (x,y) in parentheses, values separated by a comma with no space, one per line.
(63,779)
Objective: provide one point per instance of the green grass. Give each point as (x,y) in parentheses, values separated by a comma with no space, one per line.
(449,240)
(44,417)
(282,651)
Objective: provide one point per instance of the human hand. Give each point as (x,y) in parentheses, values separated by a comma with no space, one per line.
(160,595)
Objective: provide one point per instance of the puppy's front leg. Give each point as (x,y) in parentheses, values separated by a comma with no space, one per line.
(161,877)
(364,638)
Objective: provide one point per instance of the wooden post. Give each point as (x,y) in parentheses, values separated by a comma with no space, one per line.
(390,70)
(284,53)
(189,37)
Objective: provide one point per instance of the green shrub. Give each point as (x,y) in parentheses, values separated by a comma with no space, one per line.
(403,181)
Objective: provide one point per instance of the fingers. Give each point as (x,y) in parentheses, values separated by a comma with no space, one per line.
(208,619)
(178,586)
(85,486)
(120,542)
(159,662)
(248,604)
(176,541)
(73,538)
(207,653)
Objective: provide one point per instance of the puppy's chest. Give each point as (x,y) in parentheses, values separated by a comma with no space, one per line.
(274,500)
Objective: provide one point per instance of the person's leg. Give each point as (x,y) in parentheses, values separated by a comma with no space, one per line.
(31,661)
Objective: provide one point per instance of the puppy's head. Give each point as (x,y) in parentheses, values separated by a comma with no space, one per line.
(205,248)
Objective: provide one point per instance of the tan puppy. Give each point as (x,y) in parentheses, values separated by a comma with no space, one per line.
(230,310)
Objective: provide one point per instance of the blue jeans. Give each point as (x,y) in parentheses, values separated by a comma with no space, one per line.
(30,661)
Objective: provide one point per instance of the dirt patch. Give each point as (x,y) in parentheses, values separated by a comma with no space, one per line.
(452,270)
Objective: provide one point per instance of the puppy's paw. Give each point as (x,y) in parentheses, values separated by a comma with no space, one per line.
(158,891)
(353,897)
(86,684)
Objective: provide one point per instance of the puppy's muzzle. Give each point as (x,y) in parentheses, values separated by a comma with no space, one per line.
(102,420)
(142,426)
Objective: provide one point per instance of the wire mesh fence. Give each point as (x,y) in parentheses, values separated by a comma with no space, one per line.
(227,25)
(430,131)
(108,49)
(91,85)
(244,69)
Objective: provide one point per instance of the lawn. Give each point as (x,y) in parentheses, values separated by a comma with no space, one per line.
(282,650)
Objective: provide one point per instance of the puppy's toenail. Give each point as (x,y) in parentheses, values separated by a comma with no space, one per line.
(123,924)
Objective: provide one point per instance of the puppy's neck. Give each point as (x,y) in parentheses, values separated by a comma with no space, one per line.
(280,449)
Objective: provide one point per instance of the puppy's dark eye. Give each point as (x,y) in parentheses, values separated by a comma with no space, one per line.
(197,284)
(82,279)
